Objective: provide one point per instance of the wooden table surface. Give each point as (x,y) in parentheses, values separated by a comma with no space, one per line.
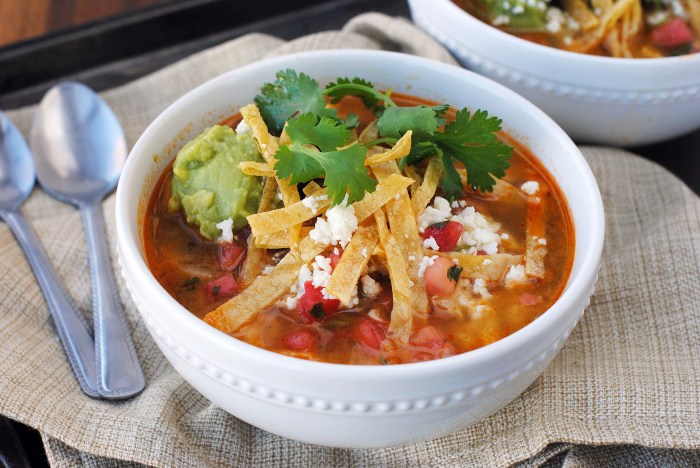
(25,19)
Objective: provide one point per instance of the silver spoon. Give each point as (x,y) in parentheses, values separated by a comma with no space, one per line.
(17,176)
(79,149)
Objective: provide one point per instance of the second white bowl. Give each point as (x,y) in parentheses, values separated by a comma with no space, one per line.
(614,101)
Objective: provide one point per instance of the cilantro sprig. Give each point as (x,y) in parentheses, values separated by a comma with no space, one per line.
(298,99)
(343,169)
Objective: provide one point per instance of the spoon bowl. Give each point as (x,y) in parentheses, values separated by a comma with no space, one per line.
(80,149)
(17,173)
(81,143)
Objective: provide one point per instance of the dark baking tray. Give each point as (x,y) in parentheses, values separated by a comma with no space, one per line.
(112,52)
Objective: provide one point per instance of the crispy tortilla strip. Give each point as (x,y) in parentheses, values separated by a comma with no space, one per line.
(608,20)
(269,147)
(254,168)
(285,218)
(488,267)
(402,222)
(385,191)
(255,257)
(693,9)
(264,290)
(431,180)
(311,188)
(581,13)
(401,314)
(400,149)
(370,133)
(411,172)
(279,239)
(347,272)
(535,231)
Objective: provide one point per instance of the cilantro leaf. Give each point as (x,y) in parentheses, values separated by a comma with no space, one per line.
(395,121)
(325,133)
(473,141)
(290,94)
(454,272)
(372,99)
(451,182)
(344,170)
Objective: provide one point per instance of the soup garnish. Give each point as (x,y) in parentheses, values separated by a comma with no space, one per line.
(387,229)
(616,28)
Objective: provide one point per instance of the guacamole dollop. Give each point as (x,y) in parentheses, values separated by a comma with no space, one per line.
(207,183)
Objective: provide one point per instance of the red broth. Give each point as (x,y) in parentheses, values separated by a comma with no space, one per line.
(185,264)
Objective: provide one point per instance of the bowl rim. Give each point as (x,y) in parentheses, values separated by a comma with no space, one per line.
(575,292)
(558,54)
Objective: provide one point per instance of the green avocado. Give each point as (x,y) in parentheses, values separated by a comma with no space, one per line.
(207,183)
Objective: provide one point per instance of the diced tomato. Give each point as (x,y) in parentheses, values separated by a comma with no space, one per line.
(446,234)
(300,340)
(428,337)
(672,34)
(528,299)
(230,255)
(223,286)
(370,332)
(437,279)
(312,306)
(335,257)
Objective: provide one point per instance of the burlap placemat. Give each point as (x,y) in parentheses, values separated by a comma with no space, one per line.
(629,374)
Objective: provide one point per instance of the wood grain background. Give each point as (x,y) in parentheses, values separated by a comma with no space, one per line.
(24,19)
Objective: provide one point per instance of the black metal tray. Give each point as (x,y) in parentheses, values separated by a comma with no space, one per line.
(112,52)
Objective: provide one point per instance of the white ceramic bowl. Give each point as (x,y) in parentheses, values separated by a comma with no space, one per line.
(345,405)
(615,101)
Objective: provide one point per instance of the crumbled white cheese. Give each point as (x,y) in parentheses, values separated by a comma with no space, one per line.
(657,17)
(267,269)
(506,5)
(312,202)
(487,262)
(518,10)
(542,241)
(530,187)
(411,258)
(336,251)
(431,243)
(500,20)
(455,261)
(243,128)
(454,204)
(279,196)
(370,287)
(568,40)
(478,233)
(226,227)
(425,263)
(397,196)
(338,227)
(479,287)
(554,18)
(437,213)
(515,274)
(505,236)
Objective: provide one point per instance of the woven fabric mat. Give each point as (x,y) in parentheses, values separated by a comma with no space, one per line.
(627,379)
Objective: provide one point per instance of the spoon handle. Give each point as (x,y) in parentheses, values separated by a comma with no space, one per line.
(72,329)
(119,374)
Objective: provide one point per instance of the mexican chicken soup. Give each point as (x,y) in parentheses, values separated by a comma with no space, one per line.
(355,226)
